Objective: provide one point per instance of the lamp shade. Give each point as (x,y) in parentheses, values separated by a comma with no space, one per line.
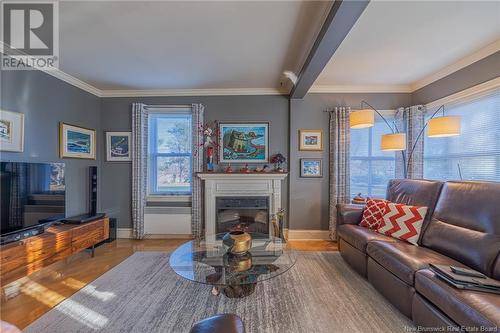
(362,118)
(443,126)
(393,142)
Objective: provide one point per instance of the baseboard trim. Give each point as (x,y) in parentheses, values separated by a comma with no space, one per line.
(126,233)
(296,234)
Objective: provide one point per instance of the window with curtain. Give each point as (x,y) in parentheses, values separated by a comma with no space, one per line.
(170,153)
(475,153)
(371,168)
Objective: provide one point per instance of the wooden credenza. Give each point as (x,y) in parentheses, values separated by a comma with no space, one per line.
(26,256)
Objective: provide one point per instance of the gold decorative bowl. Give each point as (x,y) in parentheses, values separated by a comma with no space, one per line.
(237,242)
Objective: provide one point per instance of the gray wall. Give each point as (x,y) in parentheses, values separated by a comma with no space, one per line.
(309,196)
(116,177)
(481,71)
(45,101)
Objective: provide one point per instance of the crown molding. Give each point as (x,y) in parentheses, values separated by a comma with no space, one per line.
(474,91)
(63,76)
(193,92)
(462,63)
(328,89)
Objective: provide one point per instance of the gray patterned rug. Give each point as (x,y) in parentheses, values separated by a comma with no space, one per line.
(142,294)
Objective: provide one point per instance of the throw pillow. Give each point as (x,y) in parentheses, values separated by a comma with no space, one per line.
(403,222)
(373,213)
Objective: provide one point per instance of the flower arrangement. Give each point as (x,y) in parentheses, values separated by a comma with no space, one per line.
(278,160)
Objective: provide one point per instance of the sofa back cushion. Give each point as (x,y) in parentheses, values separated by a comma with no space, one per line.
(466,224)
(415,192)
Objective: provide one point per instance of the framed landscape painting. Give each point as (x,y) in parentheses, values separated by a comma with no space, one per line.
(11,131)
(118,146)
(76,142)
(246,142)
(311,168)
(311,140)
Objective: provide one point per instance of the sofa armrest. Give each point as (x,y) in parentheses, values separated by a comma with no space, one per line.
(349,213)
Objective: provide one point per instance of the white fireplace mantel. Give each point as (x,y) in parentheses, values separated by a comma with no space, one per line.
(239,184)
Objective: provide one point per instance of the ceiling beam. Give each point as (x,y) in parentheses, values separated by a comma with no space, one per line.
(338,23)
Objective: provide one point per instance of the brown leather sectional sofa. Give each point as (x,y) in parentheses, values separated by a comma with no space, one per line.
(462,228)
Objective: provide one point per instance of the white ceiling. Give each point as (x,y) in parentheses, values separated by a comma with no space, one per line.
(402,42)
(186,45)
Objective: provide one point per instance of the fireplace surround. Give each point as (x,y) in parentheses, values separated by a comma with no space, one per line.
(257,194)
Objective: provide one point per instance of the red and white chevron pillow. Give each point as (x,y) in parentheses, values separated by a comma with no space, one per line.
(403,222)
(373,213)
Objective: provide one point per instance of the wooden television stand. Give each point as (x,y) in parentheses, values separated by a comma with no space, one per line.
(29,255)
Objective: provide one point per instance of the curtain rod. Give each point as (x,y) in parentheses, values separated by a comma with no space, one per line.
(167,106)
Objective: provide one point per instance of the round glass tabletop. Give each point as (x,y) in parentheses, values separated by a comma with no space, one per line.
(208,262)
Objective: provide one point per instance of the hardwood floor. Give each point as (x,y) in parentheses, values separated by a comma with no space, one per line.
(25,300)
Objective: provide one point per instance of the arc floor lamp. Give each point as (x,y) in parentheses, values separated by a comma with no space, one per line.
(443,126)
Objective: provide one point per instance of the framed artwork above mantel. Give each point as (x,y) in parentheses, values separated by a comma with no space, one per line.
(243,142)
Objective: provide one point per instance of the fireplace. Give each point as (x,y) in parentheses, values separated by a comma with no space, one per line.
(250,214)
(240,200)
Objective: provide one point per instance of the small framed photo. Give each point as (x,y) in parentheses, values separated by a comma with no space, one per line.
(311,140)
(76,142)
(11,131)
(311,167)
(118,146)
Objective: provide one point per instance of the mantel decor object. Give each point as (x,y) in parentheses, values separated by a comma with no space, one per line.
(237,242)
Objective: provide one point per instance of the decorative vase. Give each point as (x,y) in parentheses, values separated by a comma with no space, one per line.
(210,159)
(237,242)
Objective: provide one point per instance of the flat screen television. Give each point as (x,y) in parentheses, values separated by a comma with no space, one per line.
(31,194)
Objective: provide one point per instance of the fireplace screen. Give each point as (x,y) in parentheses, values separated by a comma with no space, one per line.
(249,214)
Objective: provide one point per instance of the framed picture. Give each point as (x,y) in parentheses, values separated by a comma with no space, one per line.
(246,142)
(11,131)
(118,146)
(311,140)
(76,142)
(311,167)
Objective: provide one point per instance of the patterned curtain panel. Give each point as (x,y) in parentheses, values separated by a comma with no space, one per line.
(411,120)
(197,224)
(339,186)
(139,167)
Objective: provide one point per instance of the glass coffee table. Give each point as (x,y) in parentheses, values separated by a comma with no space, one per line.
(234,275)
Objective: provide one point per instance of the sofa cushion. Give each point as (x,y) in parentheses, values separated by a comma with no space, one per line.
(403,222)
(358,236)
(465,224)
(403,259)
(466,307)
(373,213)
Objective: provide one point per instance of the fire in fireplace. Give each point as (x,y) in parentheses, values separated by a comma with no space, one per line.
(250,214)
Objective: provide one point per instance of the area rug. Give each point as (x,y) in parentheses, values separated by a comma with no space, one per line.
(142,294)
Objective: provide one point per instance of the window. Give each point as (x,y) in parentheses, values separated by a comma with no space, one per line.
(170,153)
(475,153)
(371,168)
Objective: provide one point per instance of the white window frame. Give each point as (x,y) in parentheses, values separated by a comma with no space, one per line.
(158,196)
(462,97)
(370,158)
